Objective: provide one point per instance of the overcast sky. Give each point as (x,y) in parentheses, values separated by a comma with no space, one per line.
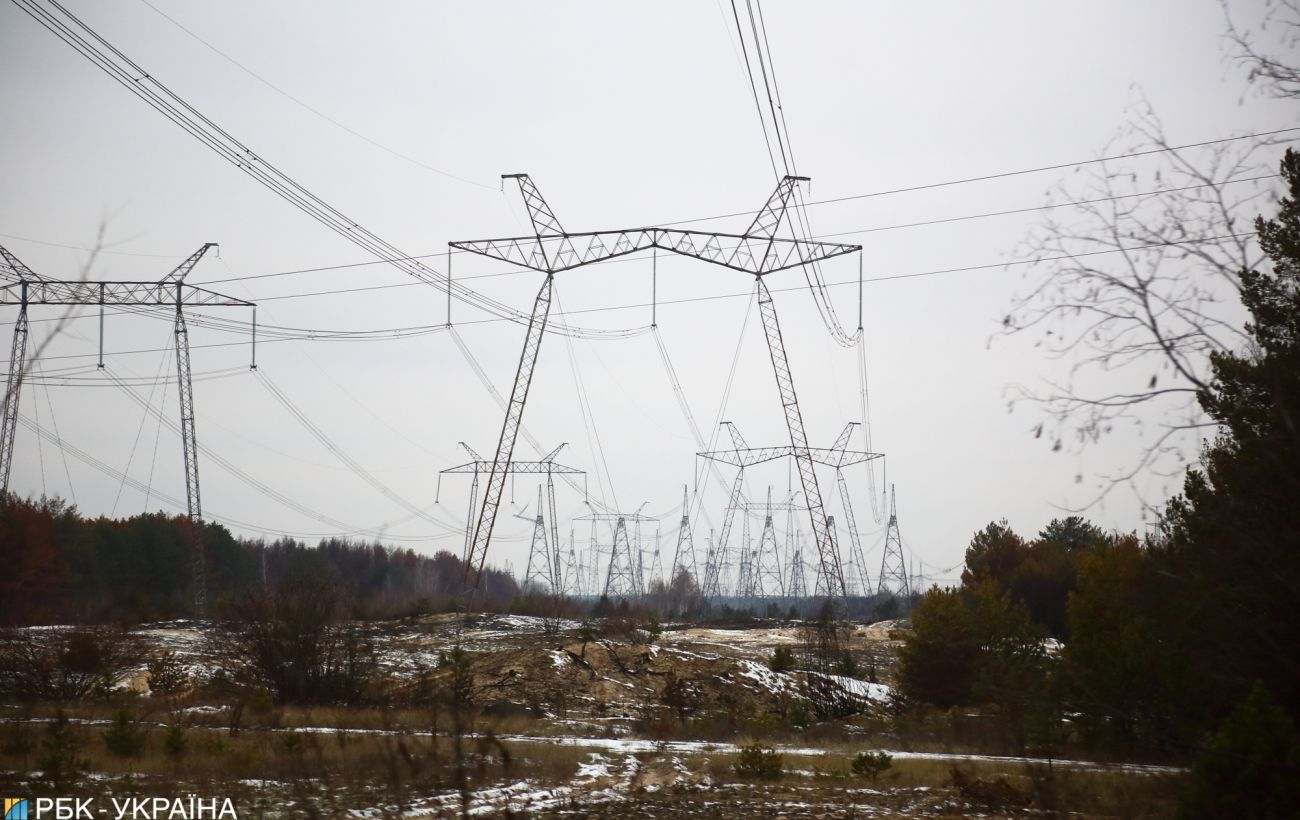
(403,115)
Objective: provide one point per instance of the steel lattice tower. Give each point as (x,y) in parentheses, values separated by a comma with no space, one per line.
(766,566)
(546,466)
(758,252)
(743,456)
(798,583)
(19,285)
(684,554)
(893,567)
(539,563)
(621,580)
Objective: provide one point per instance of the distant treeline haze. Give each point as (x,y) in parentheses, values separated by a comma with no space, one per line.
(62,568)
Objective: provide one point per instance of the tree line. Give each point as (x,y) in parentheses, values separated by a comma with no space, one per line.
(60,567)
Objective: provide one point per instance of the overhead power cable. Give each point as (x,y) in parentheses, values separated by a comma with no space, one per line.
(96,464)
(327,118)
(81,37)
(627,259)
(347,460)
(1003,174)
(747,294)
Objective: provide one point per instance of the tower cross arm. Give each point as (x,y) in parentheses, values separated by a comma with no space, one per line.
(53,292)
(520,467)
(828,456)
(835,457)
(748,253)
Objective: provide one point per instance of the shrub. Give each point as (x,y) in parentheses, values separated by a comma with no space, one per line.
(175,742)
(782,659)
(847,666)
(871,765)
(168,676)
(60,761)
(1248,767)
(758,761)
(293,644)
(64,665)
(124,738)
(799,715)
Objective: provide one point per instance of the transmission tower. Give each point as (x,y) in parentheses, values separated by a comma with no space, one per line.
(798,585)
(621,580)
(623,577)
(573,582)
(539,562)
(20,286)
(766,567)
(758,252)
(546,466)
(893,567)
(656,563)
(829,572)
(684,554)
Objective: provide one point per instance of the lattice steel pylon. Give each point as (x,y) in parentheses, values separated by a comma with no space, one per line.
(621,580)
(797,586)
(765,570)
(14,270)
(893,567)
(758,252)
(546,465)
(837,457)
(539,562)
(684,553)
(572,576)
(19,285)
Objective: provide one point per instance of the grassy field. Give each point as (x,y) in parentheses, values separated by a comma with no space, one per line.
(556,727)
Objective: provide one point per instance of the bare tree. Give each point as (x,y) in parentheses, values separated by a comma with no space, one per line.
(1138,281)
(1270,66)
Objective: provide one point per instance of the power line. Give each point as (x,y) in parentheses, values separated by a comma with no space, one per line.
(86,41)
(277,89)
(320,334)
(627,259)
(720,296)
(1004,174)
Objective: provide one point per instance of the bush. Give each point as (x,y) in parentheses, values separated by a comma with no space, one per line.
(64,665)
(293,644)
(1248,768)
(124,738)
(175,742)
(60,761)
(168,676)
(847,666)
(758,761)
(871,765)
(782,659)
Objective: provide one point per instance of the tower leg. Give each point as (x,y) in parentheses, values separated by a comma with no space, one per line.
(189,442)
(17,363)
(509,432)
(827,552)
(713,568)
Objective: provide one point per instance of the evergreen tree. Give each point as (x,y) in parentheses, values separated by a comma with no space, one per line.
(1232,551)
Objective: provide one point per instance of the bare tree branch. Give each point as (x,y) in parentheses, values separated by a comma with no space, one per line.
(1274,75)
(1132,329)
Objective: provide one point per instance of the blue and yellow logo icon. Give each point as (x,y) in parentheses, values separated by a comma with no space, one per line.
(15,808)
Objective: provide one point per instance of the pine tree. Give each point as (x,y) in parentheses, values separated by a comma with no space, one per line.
(1232,552)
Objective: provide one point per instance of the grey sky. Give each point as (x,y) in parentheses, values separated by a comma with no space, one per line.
(624,114)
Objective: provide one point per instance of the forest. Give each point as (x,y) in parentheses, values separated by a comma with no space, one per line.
(63,568)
